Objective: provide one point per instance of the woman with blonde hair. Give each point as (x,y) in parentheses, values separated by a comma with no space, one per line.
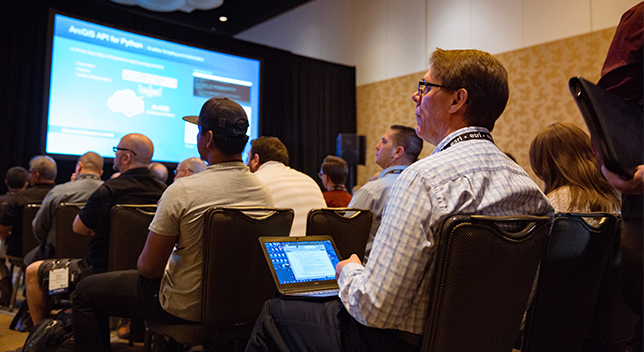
(562,157)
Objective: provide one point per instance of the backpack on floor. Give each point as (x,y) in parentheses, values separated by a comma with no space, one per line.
(50,335)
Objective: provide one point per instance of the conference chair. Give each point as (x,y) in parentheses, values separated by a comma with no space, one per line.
(69,244)
(484,272)
(570,276)
(349,228)
(128,233)
(236,280)
(29,242)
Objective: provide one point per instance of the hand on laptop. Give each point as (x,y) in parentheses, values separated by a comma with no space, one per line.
(634,185)
(352,259)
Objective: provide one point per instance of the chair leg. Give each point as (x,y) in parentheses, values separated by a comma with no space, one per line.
(16,286)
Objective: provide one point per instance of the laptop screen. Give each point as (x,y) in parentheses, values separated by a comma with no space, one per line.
(302,261)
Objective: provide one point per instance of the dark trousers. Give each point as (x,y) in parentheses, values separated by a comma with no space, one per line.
(124,294)
(632,246)
(308,325)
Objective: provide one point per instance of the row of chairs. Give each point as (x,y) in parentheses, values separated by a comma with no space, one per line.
(481,283)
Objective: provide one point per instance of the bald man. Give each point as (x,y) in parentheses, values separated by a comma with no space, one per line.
(189,167)
(89,169)
(135,185)
(160,171)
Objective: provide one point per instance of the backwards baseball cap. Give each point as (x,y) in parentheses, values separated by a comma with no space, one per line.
(223,116)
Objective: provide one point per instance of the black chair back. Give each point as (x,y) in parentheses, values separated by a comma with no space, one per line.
(236,279)
(128,233)
(482,279)
(69,244)
(570,276)
(349,228)
(29,241)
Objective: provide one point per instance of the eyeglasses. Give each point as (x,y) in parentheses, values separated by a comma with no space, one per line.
(116,149)
(320,174)
(425,87)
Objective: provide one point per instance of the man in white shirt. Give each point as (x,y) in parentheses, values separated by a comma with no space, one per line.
(268,160)
(397,149)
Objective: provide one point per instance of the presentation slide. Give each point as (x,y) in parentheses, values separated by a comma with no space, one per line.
(106,83)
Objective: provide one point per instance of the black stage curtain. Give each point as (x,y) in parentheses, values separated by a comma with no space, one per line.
(304,102)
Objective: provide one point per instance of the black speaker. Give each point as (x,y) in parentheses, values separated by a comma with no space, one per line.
(351,148)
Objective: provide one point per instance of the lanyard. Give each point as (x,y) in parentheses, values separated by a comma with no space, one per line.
(468,136)
(394,171)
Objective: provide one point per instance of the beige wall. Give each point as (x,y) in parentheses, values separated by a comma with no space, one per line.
(386,39)
(539,96)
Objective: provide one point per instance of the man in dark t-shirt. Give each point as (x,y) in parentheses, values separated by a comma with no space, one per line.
(136,184)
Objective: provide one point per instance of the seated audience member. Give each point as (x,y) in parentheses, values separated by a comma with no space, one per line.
(397,149)
(380,309)
(167,285)
(135,185)
(189,167)
(16,179)
(333,172)
(562,157)
(42,174)
(159,171)
(268,160)
(89,169)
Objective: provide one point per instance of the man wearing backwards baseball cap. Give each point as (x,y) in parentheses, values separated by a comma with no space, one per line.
(171,294)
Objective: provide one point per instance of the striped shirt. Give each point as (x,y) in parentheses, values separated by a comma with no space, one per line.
(291,189)
(472,177)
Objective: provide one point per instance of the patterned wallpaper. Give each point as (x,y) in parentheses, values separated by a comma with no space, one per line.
(539,96)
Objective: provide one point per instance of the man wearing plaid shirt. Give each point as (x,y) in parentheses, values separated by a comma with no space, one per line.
(383,306)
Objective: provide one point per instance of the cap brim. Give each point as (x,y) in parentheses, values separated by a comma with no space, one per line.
(192,119)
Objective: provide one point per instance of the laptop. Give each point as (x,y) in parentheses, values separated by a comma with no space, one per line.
(616,126)
(302,266)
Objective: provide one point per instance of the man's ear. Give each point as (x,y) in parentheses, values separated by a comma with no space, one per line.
(459,100)
(400,150)
(209,139)
(253,162)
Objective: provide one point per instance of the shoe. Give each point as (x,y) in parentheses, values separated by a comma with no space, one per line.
(124,332)
(5,291)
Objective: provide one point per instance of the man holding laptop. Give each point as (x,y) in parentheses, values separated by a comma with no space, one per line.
(383,306)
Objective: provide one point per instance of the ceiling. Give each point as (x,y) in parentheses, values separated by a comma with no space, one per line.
(241,14)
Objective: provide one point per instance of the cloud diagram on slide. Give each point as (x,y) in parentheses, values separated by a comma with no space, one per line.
(126,102)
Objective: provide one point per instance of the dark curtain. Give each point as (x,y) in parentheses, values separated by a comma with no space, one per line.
(324,104)
(304,102)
